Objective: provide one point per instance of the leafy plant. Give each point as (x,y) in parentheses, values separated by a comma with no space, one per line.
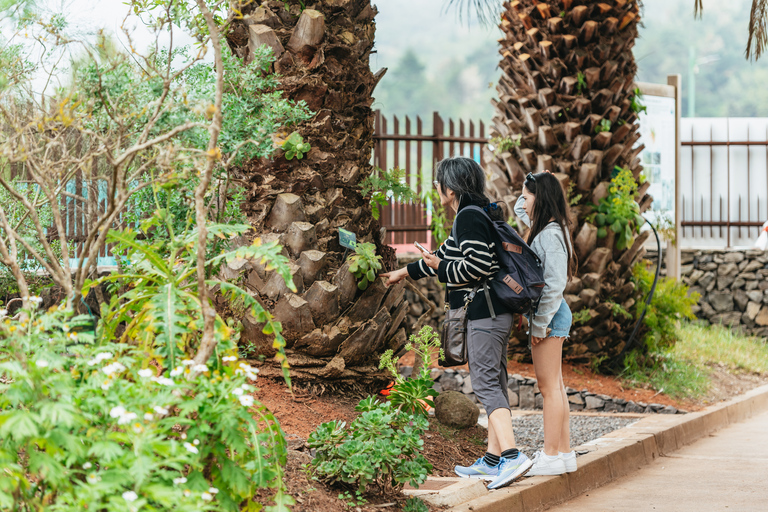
(415,504)
(502,144)
(364,264)
(412,395)
(664,225)
(351,500)
(619,212)
(160,310)
(604,126)
(672,301)
(94,425)
(383,185)
(617,310)
(379,449)
(581,317)
(294,146)
(581,83)
(635,104)
(573,198)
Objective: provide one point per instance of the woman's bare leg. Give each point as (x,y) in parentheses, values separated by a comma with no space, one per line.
(547,357)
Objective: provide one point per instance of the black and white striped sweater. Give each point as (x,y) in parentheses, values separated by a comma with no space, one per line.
(468,258)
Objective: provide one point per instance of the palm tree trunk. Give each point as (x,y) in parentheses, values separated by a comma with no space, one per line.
(568,66)
(334,332)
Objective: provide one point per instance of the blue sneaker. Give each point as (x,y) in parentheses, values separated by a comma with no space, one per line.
(478,470)
(510,470)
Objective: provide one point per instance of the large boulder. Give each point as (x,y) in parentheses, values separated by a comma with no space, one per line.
(456,410)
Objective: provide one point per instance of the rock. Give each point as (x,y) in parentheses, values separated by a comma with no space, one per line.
(456,410)
(513,385)
(536,389)
(741,299)
(450,383)
(752,266)
(466,386)
(755,295)
(594,402)
(738,283)
(526,397)
(733,257)
(514,399)
(732,318)
(747,276)
(437,387)
(611,406)
(763,285)
(575,407)
(436,374)
(762,318)
(727,269)
(707,279)
(576,399)
(751,285)
(406,371)
(709,267)
(686,270)
(707,310)
(695,276)
(668,410)
(721,301)
(538,401)
(724,282)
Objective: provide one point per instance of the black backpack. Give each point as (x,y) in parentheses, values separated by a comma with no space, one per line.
(520,280)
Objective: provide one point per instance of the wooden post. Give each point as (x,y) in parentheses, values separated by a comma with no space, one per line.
(673,251)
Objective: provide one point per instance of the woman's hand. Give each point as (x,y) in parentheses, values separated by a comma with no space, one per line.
(431,260)
(395,276)
(535,340)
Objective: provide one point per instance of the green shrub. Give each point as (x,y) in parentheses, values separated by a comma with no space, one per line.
(383,185)
(412,395)
(671,302)
(414,504)
(380,449)
(619,212)
(88,425)
(364,264)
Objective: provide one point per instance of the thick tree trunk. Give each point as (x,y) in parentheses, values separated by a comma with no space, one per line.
(334,332)
(566,67)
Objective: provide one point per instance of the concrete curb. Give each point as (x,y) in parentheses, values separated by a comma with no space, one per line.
(619,453)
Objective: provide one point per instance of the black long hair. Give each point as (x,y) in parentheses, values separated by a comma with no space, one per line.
(466,179)
(550,203)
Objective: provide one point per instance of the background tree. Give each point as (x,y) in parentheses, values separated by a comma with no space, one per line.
(334,332)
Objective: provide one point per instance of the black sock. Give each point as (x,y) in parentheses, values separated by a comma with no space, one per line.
(491,459)
(510,454)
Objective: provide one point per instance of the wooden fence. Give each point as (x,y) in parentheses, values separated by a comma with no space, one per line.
(416,149)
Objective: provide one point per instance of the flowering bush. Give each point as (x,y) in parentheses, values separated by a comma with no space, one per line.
(88,425)
(619,212)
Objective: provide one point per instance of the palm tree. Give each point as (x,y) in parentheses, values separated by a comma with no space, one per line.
(567,94)
(334,332)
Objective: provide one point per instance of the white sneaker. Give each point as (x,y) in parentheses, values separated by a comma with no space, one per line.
(570,461)
(544,464)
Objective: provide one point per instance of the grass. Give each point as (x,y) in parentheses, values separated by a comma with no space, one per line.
(683,371)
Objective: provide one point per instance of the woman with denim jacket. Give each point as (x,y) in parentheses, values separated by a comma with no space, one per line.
(543,208)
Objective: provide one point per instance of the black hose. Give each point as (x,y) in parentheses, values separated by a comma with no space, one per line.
(618,359)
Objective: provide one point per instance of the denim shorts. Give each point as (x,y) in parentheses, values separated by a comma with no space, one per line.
(560,325)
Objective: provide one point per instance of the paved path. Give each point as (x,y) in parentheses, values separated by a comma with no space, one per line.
(726,471)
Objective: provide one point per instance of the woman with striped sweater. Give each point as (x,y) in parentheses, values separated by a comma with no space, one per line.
(465,261)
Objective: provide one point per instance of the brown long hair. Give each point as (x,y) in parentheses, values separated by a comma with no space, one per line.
(550,204)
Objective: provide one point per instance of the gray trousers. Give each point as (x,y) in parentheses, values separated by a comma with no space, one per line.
(487,341)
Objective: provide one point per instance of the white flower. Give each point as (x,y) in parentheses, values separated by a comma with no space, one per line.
(248,370)
(196,442)
(200,368)
(165,381)
(183,435)
(126,418)
(246,387)
(113,368)
(162,411)
(226,359)
(41,363)
(190,448)
(213,490)
(99,358)
(206,496)
(148,416)
(187,362)
(177,371)
(3,312)
(106,384)
(180,480)
(130,496)
(187,492)
(146,373)
(246,400)
(92,478)
(36,299)
(237,391)
(137,428)
(117,411)
(87,465)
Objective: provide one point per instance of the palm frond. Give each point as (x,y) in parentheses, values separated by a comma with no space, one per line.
(486,11)
(758,29)
(698,8)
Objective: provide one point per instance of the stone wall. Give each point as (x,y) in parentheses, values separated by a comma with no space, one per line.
(524,394)
(733,286)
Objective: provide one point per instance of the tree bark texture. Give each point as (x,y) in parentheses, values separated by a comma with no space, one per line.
(323,59)
(568,65)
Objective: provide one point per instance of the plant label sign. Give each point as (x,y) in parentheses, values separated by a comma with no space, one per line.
(347,239)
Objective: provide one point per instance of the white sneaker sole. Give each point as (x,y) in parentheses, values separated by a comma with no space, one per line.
(521,471)
(476,477)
